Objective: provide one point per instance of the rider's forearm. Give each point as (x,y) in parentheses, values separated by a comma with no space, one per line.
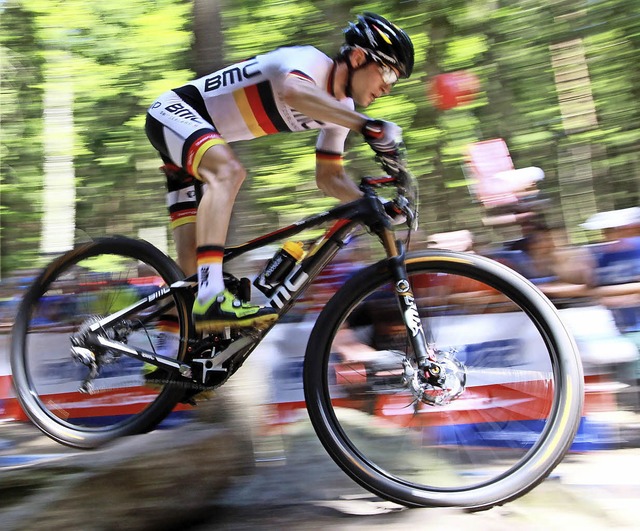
(338,185)
(319,105)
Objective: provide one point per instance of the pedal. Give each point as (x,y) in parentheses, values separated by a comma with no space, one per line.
(240,287)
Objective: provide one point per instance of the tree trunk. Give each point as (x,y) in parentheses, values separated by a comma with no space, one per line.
(59,194)
(208,44)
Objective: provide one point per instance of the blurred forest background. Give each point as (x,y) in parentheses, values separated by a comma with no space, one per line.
(559,82)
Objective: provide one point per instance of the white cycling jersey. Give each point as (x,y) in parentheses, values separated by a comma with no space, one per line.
(241,102)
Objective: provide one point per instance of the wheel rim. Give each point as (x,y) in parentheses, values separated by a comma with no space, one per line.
(499,425)
(96,284)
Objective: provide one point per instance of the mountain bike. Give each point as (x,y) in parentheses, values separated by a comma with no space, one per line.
(462,388)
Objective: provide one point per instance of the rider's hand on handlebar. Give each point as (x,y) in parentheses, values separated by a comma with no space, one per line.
(385,138)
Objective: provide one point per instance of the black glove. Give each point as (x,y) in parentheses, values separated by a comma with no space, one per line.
(385,138)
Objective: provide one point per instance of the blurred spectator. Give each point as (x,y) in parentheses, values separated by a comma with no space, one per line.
(617,257)
(511,197)
(616,281)
(543,256)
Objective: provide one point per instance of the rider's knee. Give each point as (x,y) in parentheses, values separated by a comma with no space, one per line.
(235,172)
(230,173)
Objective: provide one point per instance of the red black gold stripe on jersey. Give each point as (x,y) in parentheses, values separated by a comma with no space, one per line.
(301,75)
(259,110)
(326,156)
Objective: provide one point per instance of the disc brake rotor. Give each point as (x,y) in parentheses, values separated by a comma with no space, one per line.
(452,380)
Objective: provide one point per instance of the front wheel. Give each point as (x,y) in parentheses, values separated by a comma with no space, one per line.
(93,281)
(520,384)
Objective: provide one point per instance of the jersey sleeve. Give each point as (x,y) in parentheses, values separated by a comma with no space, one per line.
(330,144)
(331,140)
(304,62)
(312,65)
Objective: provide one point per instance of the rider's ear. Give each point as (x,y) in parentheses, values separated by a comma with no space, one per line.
(357,57)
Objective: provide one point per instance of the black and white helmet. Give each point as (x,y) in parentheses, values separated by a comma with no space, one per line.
(383,41)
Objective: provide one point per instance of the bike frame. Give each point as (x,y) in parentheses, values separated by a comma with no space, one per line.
(367,212)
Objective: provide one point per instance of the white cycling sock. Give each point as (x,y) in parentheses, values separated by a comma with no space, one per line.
(210,281)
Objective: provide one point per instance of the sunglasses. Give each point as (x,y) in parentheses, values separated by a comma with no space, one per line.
(389,75)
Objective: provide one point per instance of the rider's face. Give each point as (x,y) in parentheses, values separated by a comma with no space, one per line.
(370,82)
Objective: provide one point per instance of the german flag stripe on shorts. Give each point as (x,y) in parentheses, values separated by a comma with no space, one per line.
(197,148)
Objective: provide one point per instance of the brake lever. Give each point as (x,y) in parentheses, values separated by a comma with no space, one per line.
(406,200)
(408,197)
(410,214)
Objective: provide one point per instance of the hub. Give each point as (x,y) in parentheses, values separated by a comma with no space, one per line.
(451,381)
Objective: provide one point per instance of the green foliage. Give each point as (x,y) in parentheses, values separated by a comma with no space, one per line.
(21,72)
(115,57)
(119,55)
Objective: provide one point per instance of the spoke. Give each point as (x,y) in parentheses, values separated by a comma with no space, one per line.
(499,399)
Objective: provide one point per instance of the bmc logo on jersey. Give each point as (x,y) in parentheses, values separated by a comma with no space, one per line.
(230,76)
(181,111)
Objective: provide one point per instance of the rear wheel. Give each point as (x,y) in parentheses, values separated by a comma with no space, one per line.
(92,281)
(499,340)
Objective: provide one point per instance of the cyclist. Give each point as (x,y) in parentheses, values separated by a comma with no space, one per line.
(290,89)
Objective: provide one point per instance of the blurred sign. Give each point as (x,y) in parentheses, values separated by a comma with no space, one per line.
(599,342)
(496,181)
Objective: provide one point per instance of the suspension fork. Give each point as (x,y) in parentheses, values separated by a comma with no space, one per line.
(424,353)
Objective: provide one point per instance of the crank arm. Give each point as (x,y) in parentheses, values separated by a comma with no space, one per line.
(214,364)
